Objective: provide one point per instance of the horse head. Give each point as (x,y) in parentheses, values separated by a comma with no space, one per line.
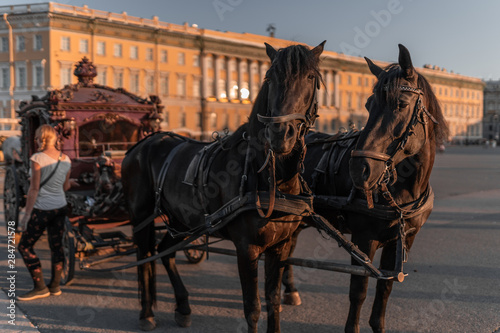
(403,122)
(288,96)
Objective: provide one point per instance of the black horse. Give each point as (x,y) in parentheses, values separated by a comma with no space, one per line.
(231,185)
(374,183)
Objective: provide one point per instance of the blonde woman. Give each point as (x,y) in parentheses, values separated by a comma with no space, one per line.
(45,209)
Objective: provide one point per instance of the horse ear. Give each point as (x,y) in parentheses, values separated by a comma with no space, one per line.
(271,52)
(405,62)
(318,49)
(376,70)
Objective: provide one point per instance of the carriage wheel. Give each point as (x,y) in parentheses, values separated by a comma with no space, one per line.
(68,242)
(11,196)
(195,256)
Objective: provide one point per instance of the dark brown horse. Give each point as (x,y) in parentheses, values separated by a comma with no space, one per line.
(229,185)
(374,183)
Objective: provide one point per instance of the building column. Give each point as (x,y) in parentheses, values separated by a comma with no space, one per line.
(239,67)
(228,78)
(251,79)
(217,69)
(328,83)
(336,90)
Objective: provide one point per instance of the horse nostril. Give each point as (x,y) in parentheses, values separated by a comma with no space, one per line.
(290,131)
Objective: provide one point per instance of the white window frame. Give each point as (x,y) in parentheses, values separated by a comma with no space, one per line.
(149,54)
(181,86)
(4,84)
(65,43)
(134,52)
(20,43)
(164,56)
(21,75)
(181,58)
(37,43)
(38,81)
(117,50)
(101,48)
(4,44)
(84,45)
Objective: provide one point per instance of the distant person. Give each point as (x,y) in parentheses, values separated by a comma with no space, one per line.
(45,209)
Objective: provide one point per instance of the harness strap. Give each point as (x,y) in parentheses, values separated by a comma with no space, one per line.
(159,184)
(371,154)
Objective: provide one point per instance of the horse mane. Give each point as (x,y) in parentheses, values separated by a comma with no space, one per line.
(386,90)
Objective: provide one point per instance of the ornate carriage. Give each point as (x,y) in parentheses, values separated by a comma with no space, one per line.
(96,125)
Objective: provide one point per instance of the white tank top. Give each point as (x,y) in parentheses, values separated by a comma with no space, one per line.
(51,194)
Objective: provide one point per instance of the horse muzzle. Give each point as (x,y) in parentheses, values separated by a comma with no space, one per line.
(366,171)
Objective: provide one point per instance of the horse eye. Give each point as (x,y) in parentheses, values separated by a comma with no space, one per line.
(402,105)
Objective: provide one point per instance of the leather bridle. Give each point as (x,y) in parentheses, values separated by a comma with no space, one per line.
(416,118)
(306,122)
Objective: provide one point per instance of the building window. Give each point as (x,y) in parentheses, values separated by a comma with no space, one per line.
(102,78)
(39,77)
(119,80)
(181,86)
(196,60)
(5,78)
(101,48)
(349,79)
(65,76)
(149,54)
(84,46)
(210,62)
(20,43)
(199,117)
(134,83)
(164,86)
(213,120)
(65,43)
(164,56)
(117,50)
(233,92)
(37,43)
(21,77)
(182,119)
(4,46)
(150,84)
(181,58)
(134,52)
(196,87)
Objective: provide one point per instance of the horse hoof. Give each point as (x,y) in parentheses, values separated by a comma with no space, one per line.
(147,324)
(182,320)
(292,298)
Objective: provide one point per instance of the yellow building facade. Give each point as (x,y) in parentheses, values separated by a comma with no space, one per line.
(206,79)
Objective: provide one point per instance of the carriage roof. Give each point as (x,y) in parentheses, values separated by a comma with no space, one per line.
(90,108)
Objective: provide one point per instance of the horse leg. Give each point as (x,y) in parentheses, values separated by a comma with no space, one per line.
(274,273)
(291,295)
(384,288)
(248,259)
(358,286)
(146,276)
(182,310)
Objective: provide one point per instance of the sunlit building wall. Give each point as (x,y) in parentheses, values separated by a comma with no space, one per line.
(206,79)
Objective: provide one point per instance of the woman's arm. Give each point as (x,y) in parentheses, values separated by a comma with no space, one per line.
(32,195)
(67,182)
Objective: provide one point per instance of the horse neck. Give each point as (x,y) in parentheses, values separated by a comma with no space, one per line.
(414,173)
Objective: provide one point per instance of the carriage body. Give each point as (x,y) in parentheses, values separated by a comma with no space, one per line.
(96,125)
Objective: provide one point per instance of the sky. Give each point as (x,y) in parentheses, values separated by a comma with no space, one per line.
(461,35)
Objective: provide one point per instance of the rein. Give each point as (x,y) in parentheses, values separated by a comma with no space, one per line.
(390,172)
